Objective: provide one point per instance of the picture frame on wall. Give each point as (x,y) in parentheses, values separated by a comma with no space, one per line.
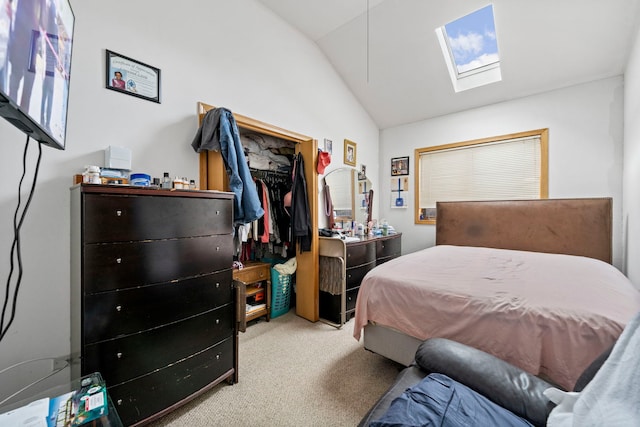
(126,75)
(350,152)
(362,174)
(399,192)
(328,146)
(400,166)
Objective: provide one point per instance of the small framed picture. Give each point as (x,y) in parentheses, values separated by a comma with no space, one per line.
(362,175)
(400,166)
(349,152)
(132,77)
(328,146)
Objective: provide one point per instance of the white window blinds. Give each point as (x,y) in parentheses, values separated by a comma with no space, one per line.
(508,169)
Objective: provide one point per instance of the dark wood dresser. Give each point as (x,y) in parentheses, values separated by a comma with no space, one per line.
(343,265)
(152,301)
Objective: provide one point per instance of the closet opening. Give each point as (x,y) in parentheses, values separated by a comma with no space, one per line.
(270,169)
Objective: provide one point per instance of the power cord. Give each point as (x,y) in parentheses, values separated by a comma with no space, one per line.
(15,246)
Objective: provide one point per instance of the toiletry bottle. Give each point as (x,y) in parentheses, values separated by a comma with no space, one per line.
(91,175)
(166,181)
(177,183)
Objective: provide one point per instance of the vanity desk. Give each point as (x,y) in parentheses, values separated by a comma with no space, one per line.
(343,264)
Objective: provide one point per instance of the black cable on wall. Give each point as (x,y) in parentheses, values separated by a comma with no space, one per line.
(15,246)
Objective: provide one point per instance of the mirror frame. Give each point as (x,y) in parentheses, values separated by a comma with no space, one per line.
(354,189)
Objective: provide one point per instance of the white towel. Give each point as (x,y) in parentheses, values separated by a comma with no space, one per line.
(288,267)
(612,397)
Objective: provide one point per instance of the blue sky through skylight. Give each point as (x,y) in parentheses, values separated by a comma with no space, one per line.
(472,40)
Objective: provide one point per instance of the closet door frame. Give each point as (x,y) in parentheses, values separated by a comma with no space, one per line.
(214,177)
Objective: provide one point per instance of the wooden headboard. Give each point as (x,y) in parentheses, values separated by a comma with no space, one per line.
(567,226)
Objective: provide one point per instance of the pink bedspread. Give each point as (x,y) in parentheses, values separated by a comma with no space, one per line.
(549,314)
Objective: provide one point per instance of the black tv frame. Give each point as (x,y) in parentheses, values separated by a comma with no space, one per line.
(23,121)
(14,115)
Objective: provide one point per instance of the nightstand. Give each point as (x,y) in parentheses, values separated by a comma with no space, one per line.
(254,288)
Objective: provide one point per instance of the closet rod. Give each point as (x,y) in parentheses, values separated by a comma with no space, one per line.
(267,172)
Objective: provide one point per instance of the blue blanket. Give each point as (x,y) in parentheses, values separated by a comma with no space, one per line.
(438,400)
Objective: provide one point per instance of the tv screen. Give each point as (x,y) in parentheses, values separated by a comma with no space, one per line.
(36,38)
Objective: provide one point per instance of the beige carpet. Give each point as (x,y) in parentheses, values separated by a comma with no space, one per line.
(293,373)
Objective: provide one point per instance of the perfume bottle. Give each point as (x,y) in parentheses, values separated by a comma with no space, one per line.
(166,181)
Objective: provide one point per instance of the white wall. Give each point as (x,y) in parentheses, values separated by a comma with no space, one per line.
(631,171)
(235,54)
(585,148)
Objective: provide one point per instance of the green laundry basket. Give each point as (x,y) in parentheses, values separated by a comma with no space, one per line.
(280,293)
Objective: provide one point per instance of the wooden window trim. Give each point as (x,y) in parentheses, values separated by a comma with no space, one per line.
(544,162)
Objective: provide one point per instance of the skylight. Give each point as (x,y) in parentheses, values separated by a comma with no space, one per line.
(470,49)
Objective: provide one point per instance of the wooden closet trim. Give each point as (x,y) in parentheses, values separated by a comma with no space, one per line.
(211,163)
(211,181)
(256,125)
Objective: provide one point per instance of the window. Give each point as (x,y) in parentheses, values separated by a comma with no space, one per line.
(470,48)
(507,167)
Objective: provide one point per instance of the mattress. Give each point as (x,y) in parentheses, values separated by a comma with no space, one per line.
(549,314)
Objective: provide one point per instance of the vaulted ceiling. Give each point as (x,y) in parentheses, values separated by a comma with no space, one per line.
(387,52)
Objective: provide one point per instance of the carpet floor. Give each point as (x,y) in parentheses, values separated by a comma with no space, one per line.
(293,373)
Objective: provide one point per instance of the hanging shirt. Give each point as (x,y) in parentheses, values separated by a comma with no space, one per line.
(300,215)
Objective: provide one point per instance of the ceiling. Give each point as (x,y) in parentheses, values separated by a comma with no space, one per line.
(390,58)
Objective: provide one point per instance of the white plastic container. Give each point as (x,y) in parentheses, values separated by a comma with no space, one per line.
(91,175)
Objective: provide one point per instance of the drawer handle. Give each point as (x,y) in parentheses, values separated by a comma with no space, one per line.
(218,356)
(118,212)
(118,260)
(217,248)
(217,284)
(217,212)
(349,298)
(217,321)
(119,402)
(349,276)
(118,308)
(119,355)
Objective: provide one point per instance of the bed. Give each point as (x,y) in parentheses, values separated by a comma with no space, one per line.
(527,281)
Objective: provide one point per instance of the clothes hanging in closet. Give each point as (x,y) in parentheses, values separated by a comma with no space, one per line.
(219,132)
(300,215)
(266,228)
(269,235)
(272,187)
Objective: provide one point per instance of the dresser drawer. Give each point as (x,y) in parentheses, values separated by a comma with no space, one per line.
(361,253)
(110,314)
(389,248)
(119,218)
(356,274)
(122,359)
(125,265)
(141,398)
(330,306)
(352,295)
(253,273)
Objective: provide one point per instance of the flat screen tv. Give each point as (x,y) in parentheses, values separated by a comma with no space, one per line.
(36,38)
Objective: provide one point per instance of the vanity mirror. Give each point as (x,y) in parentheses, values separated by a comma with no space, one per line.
(351,197)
